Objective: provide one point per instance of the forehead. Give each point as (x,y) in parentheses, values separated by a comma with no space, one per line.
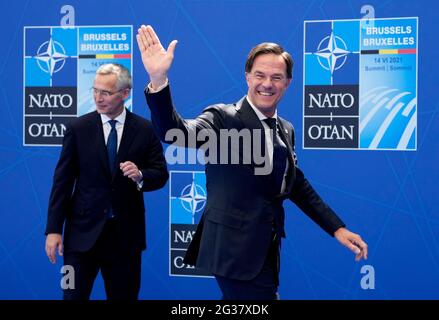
(105,81)
(269,63)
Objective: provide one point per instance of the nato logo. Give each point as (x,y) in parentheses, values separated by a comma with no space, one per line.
(188,197)
(50,96)
(187,200)
(331,53)
(50,56)
(331,85)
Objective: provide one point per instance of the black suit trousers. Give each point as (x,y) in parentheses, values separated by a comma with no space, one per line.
(263,286)
(120,268)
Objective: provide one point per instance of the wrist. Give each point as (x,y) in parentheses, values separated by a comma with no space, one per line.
(158,81)
(338,231)
(140,178)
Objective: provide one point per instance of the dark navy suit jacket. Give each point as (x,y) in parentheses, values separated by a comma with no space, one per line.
(233,237)
(83,187)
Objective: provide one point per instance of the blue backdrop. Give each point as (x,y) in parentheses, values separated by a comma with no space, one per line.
(389,197)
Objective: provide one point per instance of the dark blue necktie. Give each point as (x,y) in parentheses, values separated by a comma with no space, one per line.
(112,145)
(280,154)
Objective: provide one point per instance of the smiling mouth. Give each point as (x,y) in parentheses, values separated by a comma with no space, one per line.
(266,94)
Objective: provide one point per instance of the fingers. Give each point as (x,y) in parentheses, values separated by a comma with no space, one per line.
(142,38)
(132,174)
(152,36)
(149,34)
(130,170)
(127,165)
(140,43)
(364,249)
(54,242)
(171,47)
(354,248)
(362,254)
(51,253)
(360,249)
(60,249)
(353,242)
(146,37)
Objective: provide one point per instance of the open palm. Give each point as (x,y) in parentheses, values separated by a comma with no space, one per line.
(156,60)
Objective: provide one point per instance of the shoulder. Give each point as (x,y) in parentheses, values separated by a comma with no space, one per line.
(289,129)
(79,122)
(139,121)
(287,125)
(222,109)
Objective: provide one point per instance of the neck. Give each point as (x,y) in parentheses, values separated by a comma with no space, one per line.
(114,116)
(267,113)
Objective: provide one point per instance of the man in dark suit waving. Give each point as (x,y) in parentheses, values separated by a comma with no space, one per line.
(108,159)
(239,235)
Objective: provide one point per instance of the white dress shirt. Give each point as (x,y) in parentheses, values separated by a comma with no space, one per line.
(119,126)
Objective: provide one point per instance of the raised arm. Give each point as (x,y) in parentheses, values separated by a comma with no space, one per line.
(156,60)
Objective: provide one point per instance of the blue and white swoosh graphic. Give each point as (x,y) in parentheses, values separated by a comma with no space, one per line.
(388,119)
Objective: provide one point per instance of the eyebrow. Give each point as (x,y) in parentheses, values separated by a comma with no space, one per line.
(101,89)
(273,75)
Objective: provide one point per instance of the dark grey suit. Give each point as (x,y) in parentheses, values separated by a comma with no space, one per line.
(234,235)
(84,190)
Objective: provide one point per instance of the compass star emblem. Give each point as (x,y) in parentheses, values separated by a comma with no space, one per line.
(51,56)
(332,53)
(193,198)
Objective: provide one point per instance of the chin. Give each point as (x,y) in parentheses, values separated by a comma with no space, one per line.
(266,107)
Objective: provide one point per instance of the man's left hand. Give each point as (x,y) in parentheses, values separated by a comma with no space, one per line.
(353,242)
(131,171)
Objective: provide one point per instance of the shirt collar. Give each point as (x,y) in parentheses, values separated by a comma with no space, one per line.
(260,115)
(120,118)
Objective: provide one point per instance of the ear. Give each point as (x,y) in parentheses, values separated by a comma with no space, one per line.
(126,93)
(247,79)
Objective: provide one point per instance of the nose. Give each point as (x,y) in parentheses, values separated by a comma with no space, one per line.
(267,82)
(98,96)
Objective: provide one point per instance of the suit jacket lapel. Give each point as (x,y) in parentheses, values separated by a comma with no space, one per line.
(286,138)
(251,121)
(247,115)
(292,172)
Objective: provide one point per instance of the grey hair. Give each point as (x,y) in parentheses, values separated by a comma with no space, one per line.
(123,75)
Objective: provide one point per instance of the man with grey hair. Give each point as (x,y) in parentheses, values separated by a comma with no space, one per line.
(109,158)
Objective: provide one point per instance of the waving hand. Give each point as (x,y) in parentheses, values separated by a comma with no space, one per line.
(156,60)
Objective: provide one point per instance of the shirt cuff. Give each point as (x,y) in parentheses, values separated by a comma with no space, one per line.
(140,183)
(151,90)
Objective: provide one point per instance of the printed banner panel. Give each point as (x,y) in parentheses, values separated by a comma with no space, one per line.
(59,68)
(360,84)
